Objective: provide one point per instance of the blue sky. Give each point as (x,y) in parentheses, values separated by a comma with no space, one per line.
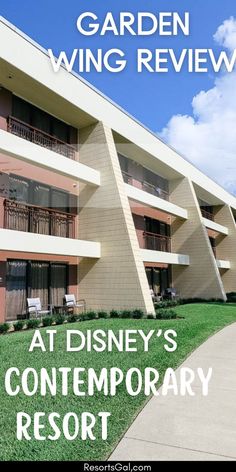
(152,98)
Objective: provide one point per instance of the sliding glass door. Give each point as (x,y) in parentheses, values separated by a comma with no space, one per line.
(158,279)
(16,292)
(38,284)
(34,279)
(58,283)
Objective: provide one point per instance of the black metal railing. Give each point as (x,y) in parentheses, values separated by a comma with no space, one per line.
(146,186)
(33,219)
(157,242)
(37,136)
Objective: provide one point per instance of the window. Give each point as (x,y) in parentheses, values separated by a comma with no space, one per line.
(16,292)
(157,227)
(144,175)
(38,282)
(60,130)
(156,180)
(123,163)
(60,200)
(4,185)
(19,189)
(41,195)
(35,193)
(158,279)
(41,120)
(21,109)
(58,283)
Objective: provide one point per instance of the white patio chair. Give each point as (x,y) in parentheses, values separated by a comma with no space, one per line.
(71,302)
(35,307)
(171,294)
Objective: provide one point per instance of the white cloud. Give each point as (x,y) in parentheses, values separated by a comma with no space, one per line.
(208,137)
(226,34)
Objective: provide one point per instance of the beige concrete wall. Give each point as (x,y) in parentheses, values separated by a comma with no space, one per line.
(201,278)
(118,279)
(226,246)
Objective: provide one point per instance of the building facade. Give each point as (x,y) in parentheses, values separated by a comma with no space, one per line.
(92,203)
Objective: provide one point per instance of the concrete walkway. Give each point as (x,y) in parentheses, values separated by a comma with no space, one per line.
(191,428)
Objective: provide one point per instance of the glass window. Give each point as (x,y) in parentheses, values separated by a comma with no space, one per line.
(19,189)
(123,163)
(4,185)
(21,109)
(60,200)
(157,227)
(33,279)
(149,276)
(165,282)
(60,130)
(156,180)
(16,289)
(156,281)
(39,281)
(41,195)
(58,283)
(41,120)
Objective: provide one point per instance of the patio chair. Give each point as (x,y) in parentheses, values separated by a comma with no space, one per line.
(71,302)
(35,307)
(156,298)
(170,294)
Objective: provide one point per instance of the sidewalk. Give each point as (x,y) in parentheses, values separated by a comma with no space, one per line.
(190,428)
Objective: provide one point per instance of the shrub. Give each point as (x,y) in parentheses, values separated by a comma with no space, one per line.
(168,303)
(114,314)
(231,297)
(126,314)
(186,301)
(59,319)
(83,317)
(166,315)
(137,314)
(92,315)
(150,316)
(47,321)
(4,328)
(19,325)
(102,314)
(72,318)
(217,300)
(32,324)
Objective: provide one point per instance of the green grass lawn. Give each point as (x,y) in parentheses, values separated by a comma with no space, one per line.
(200,321)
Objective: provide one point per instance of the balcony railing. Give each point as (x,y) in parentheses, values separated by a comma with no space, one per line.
(206,214)
(157,242)
(146,186)
(34,219)
(28,132)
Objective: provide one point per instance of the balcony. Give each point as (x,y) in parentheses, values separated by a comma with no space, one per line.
(34,219)
(157,242)
(209,222)
(36,136)
(146,186)
(207,214)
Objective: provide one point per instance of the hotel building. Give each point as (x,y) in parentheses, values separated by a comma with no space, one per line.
(94,204)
